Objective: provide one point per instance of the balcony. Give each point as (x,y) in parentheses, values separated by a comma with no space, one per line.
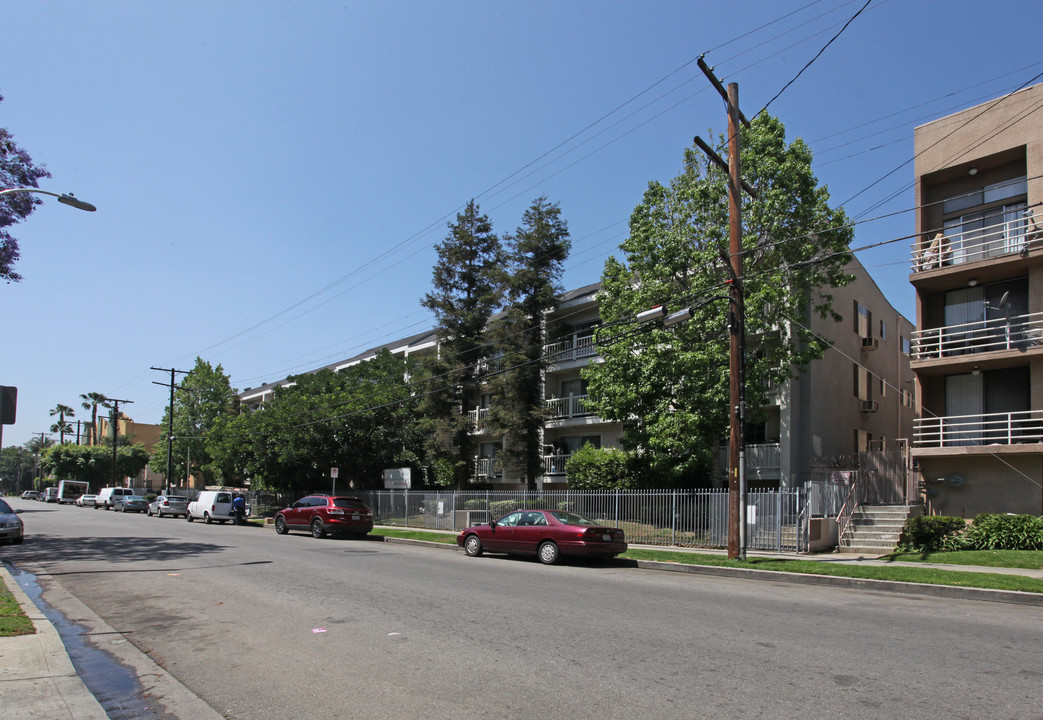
(555,464)
(971,245)
(487,468)
(1011,428)
(1019,332)
(763,461)
(568,407)
(478,415)
(574,347)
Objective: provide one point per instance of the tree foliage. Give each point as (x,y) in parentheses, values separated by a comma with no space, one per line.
(467,288)
(535,255)
(94,463)
(670,386)
(359,420)
(17,169)
(201,399)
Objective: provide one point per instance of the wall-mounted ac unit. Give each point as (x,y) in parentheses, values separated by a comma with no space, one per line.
(870,406)
(870,343)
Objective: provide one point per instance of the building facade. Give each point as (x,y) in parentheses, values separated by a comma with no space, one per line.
(977,268)
(858,396)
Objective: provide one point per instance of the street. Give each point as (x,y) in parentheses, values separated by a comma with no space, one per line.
(266,626)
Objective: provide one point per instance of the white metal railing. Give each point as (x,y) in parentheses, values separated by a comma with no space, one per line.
(1014,333)
(568,407)
(971,245)
(487,467)
(575,347)
(1009,428)
(478,415)
(760,459)
(555,464)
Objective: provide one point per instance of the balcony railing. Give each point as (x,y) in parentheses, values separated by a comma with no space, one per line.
(568,407)
(987,429)
(974,244)
(763,460)
(575,347)
(554,464)
(487,467)
(478,415)
(1015,333)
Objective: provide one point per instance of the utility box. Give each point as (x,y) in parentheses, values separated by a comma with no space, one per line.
(468,518)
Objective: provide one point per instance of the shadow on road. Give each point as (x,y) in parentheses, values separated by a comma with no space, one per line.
(48,548)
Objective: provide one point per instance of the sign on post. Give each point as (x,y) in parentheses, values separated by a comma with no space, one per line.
(333,474)
(397,479)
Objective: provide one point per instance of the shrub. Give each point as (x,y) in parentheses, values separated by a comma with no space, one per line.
(1006,532)
(931,533)
(592,468)
(502,507)
(475,504)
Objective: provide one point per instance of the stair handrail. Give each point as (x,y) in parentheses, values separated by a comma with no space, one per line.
(846,511)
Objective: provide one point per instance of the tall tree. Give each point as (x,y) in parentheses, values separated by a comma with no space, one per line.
(360,420)
(61,427)
(91,401)
(670,386)
(467,290)
(535,253)
(16,170)
(204,395)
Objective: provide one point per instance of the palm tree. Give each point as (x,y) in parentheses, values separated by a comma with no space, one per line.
(91,401)
(61,427)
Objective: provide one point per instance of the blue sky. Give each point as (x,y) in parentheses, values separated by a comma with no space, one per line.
(271,178)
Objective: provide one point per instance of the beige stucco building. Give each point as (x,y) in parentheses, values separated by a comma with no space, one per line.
(977,268)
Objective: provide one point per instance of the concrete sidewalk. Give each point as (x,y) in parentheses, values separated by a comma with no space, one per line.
(37,679)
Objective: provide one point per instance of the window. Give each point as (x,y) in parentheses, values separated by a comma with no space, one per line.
(883,388)
(863,320)
(906,348)
(862,388)
(862,440)
(883,330)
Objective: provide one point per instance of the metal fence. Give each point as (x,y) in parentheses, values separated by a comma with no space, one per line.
(776,519)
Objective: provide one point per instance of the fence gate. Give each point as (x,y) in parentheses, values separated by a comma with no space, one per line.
(883,476)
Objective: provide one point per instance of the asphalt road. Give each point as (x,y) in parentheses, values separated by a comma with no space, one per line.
(267,626)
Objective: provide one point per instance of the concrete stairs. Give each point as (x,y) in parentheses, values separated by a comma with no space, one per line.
(875,529)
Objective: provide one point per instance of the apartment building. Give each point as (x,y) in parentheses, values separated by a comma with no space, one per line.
(977,268)
(854,398)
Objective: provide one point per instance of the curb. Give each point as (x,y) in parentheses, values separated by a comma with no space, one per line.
(886,586)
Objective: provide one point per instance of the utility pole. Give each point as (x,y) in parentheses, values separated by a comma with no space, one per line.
(170,419)
(36,458)
(115,433)
(736,319)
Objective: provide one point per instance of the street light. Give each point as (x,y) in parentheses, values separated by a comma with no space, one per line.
(64,198)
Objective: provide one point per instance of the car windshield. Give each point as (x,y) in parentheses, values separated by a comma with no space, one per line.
(175,497)
(572,519)
(351,503)
(5,509)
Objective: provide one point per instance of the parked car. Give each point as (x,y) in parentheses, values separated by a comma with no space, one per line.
(86,500)
(130,503)
(31,495)
(169,505)
(548,534)
(11,527)
(325,514)
(108,496)
(211,505)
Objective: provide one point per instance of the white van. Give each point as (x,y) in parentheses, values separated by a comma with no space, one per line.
(50,494)
(107,495)
(211,505)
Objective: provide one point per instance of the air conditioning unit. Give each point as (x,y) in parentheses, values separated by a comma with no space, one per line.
(870,343)
(869,406)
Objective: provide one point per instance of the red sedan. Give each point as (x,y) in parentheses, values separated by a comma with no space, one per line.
(548,534)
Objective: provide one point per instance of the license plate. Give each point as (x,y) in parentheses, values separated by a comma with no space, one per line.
(607,537)
(356,517)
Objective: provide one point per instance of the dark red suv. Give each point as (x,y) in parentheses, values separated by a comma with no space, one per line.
(326,515)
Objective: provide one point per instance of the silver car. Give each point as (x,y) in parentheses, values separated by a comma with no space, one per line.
(169,505)
(130,503)
(11,528)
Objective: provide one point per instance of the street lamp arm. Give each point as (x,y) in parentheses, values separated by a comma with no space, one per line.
(64,198)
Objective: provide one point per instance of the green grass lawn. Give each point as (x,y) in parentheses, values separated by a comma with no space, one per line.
(926,575)
(12,620)
(1031,559)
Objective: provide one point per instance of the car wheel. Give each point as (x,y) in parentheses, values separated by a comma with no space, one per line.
(149,512)
(317,530)
(188,516)
(206,518)
(548,552)
(17,541)
(280,525)
(473,546)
